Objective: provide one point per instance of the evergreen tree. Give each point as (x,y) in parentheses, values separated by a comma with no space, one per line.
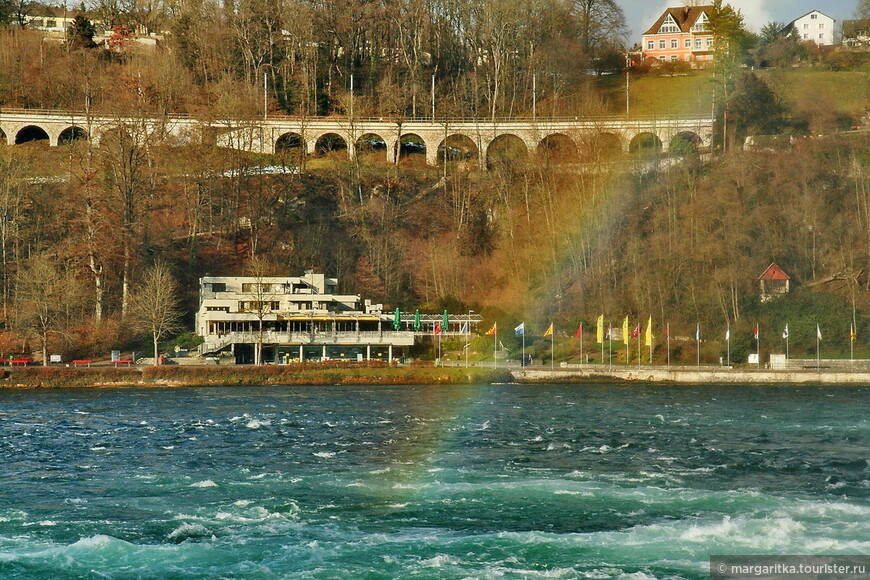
(754,108)
(80,33)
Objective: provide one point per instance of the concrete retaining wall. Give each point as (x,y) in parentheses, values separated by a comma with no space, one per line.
(686,376)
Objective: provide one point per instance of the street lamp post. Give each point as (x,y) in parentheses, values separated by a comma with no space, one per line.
(467,333)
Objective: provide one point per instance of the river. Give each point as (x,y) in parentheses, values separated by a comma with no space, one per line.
(481,481)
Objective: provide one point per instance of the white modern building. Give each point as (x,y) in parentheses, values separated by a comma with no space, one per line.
(304,318)
(814,26)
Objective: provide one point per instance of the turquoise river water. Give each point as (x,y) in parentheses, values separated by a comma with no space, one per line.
(502,481)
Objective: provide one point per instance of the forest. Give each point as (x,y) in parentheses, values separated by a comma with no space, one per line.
(680,237)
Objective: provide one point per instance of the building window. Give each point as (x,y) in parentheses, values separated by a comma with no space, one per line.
(674,57)
(806,36)
(650,45)
(218,287)
(698,44)
(822,35)
(688,43)
(813,16)
(51,23)
(662,44)
(806,25)
(674,43)
(821,25)
(250,288)
(709,43)
(669,26)
(259,306)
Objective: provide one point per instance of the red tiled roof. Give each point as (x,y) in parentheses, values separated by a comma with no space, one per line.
(774,272)
(684,16)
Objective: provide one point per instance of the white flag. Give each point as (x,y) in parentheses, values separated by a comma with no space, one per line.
(464,329)
(728,334)
(818,332)
(785,332)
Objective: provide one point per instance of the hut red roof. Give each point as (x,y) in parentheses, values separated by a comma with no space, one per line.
(774,272)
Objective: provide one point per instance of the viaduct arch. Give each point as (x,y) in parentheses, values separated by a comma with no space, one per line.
(486,141)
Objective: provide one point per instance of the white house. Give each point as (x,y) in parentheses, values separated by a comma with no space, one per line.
(305,318)
(814,26)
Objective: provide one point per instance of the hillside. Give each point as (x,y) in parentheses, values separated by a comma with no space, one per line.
(535,239)
(809,92)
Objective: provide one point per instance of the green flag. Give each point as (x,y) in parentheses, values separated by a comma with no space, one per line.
(418,326)
(397,320)
(445,322)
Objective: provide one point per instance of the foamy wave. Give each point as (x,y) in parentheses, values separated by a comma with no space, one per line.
(439,561)
(557,446)
(186,532)
(96,542)
(256,424)
(203,484)
(324,454)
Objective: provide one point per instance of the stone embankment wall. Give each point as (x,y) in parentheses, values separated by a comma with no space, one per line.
(697,376)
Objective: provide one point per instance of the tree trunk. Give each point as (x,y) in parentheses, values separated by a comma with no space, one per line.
(44,348)
(125,281)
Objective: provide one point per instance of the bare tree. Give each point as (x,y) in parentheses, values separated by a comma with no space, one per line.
(128,165)
(261,297)
(45,290)
(154,306)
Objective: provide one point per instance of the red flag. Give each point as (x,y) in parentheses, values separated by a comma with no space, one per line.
(668,330)
(437,328)
(636,332)
(579,333)
(755,334)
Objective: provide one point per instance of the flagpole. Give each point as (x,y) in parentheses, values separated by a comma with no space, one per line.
(581,343)
(495,346)
(851,345)
(651,337)
(467,332)
(668,336)
(610,346)
(602,341)
(758,344)
(639,351)
(728,344)
(698,342)
(552,347)
(523,362)
(818,339)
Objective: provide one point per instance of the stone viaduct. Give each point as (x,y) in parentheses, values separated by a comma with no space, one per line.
(437,139)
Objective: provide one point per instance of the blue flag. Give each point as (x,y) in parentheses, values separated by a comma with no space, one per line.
(521,329)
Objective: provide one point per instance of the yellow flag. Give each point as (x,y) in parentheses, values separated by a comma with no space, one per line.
(625,334)
(549,331)
(599,329)
(648,337)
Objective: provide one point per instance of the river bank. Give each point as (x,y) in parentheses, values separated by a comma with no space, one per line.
(329,374)
(304,374)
